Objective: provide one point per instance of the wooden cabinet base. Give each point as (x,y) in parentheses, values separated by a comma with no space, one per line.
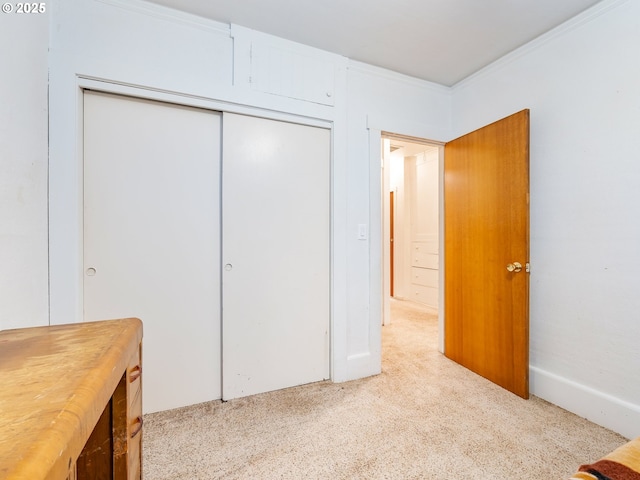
(71,402)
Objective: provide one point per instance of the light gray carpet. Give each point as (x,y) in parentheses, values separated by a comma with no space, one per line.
(424,417)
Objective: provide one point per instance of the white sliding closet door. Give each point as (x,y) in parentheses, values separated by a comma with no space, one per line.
(152,238)
(276,202)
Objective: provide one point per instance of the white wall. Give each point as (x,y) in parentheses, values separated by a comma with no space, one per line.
(582,84)
(23,170)
(378,101)
(140,49)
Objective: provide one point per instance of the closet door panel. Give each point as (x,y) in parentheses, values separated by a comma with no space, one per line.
(276,257)
(152,237)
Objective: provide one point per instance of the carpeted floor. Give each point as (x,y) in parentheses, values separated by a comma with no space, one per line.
(424,417)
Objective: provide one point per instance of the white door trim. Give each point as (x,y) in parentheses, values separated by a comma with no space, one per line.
(110,86)
(379,299)
(65,191)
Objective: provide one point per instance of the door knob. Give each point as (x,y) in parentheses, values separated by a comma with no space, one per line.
(514,267)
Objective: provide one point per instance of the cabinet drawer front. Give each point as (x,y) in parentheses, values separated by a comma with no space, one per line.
(134,415)
(134,387)
(134,412)
(135,437)
(134,370)
(426,295)
(421,258)
(135,456)
(427,277)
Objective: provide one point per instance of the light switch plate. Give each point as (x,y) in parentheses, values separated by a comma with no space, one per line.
(362,231)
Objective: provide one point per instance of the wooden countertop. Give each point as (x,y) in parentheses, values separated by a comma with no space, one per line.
(54,384)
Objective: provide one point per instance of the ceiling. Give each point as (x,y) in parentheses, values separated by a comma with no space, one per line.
(442,41)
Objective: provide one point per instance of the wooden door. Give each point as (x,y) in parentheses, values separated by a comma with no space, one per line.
(152,237)
(276,256)
(486,194)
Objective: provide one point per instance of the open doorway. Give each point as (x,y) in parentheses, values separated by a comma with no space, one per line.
(411,205)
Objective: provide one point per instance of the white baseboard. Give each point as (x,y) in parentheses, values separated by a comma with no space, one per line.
(598,407)
(362,365)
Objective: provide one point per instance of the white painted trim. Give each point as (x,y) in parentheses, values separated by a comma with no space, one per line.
(179,98)
(567,27)
(239,31)
(385,212)
(339,235)
(169,14)
(408,128)
(376,253)
(66,214)
(367,69)
(613,413)
(441,249)
(360,365)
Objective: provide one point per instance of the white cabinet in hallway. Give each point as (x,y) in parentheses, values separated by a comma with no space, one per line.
(424,232)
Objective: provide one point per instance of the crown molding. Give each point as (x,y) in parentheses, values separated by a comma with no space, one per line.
(170,14)
(565,28)
(368,69)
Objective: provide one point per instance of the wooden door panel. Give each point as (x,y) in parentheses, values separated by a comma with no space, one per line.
(486,228)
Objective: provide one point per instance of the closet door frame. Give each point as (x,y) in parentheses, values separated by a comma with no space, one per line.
(66,218)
